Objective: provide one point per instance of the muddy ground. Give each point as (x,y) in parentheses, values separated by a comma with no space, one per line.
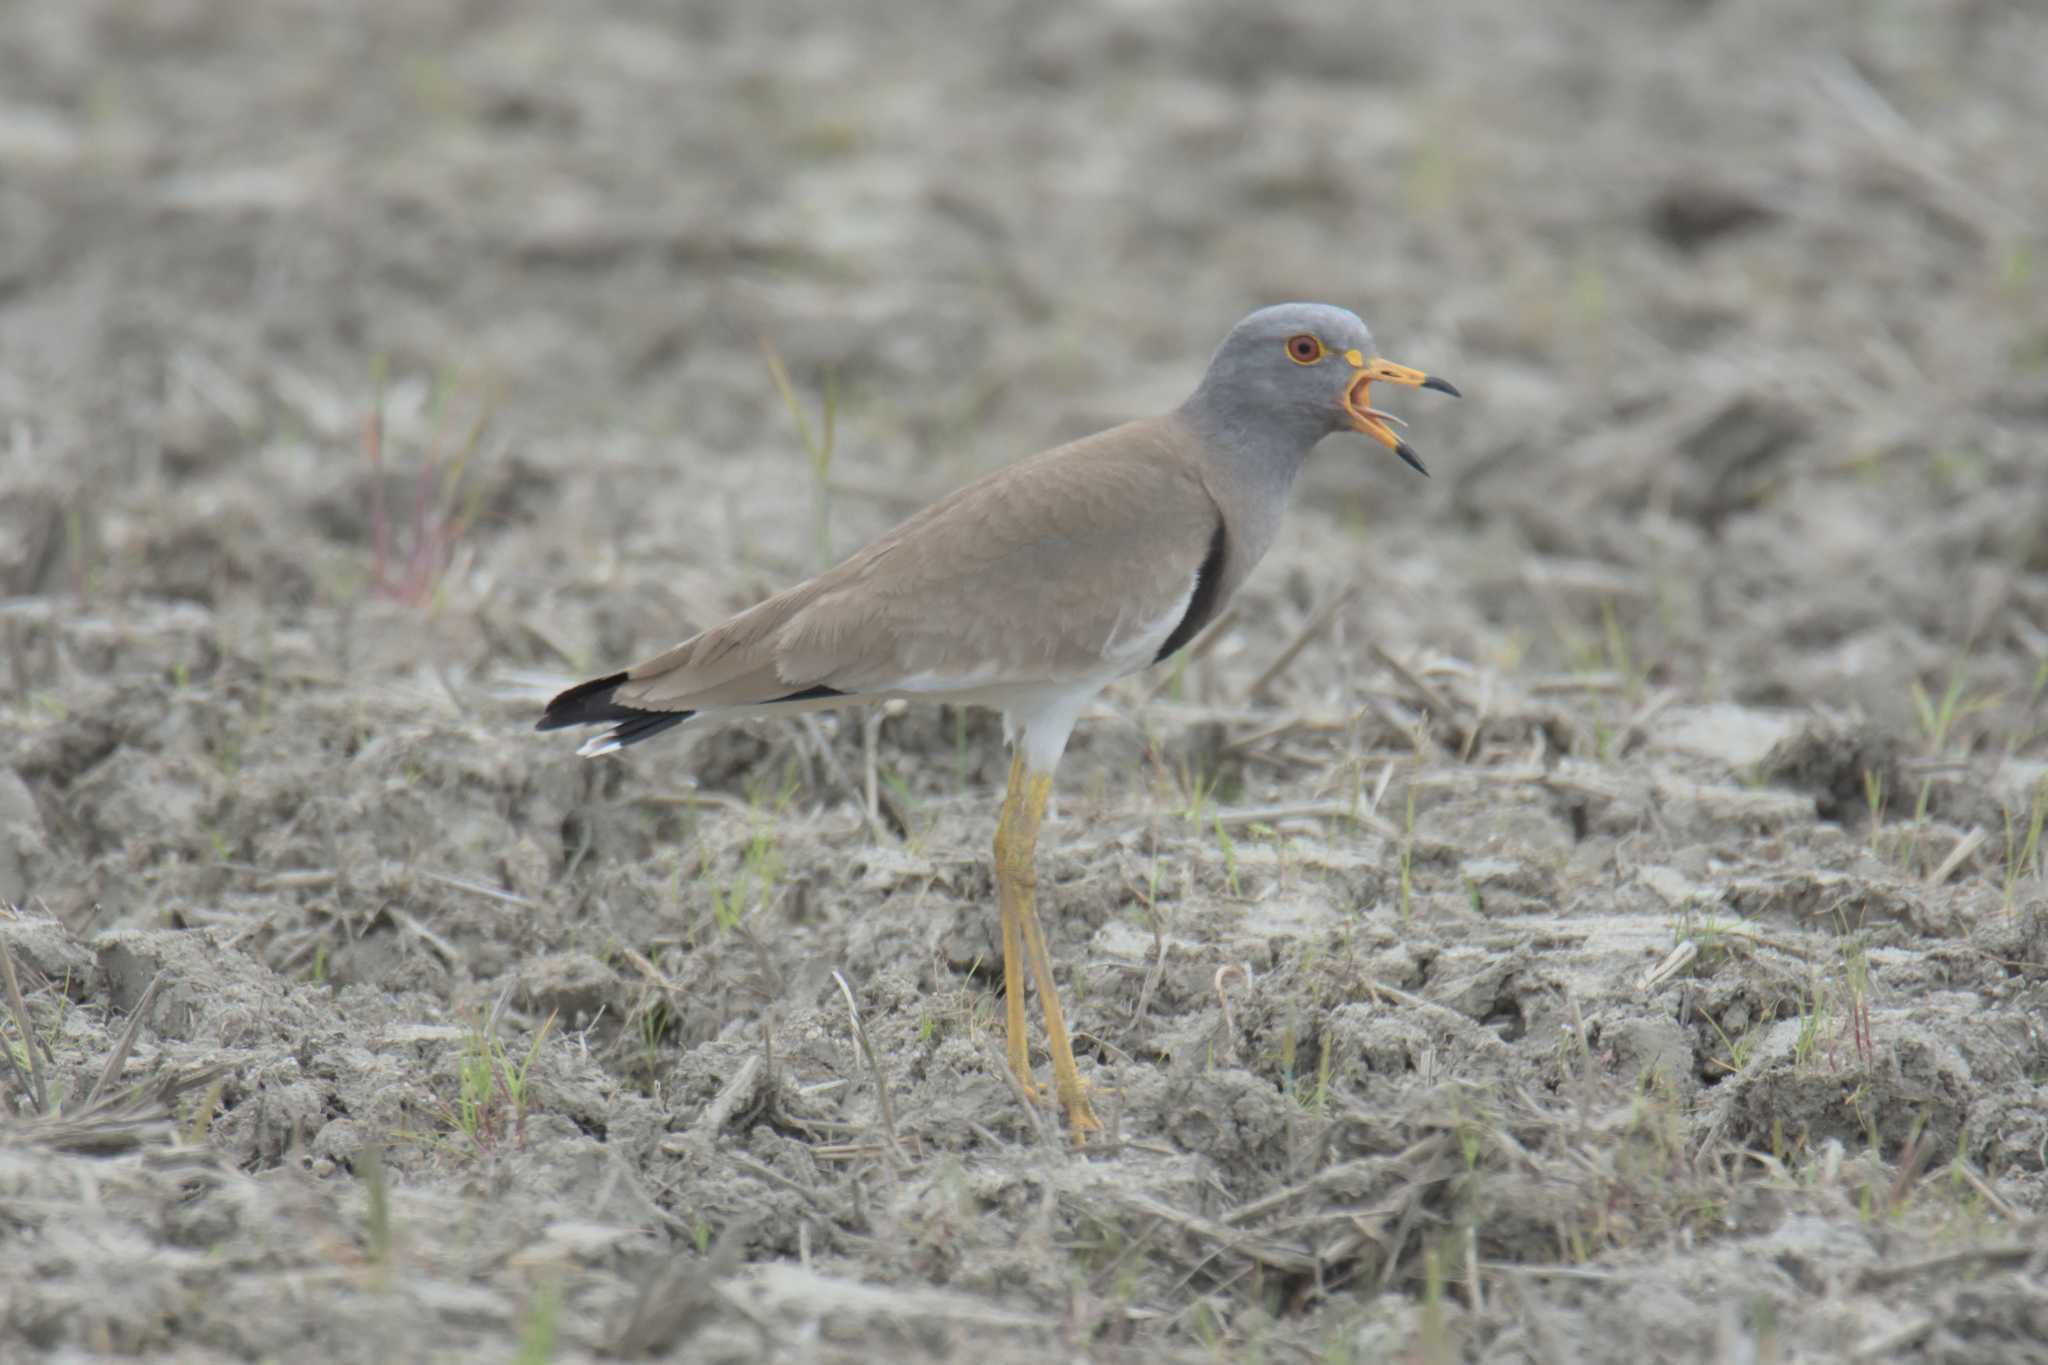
(1584,906)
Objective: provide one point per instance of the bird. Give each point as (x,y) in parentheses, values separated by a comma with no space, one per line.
(1031,589)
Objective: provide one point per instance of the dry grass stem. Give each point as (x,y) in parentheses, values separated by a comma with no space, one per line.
(893,1150)
(35,1087)
(1319,621)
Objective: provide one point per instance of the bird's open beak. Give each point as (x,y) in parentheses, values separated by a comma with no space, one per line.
(1369,419)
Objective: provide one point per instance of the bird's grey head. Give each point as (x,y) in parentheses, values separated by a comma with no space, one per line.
(1291,374)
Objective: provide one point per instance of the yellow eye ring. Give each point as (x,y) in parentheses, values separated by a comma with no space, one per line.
(1304,349)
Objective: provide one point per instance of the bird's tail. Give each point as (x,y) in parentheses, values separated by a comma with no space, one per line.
(591,703)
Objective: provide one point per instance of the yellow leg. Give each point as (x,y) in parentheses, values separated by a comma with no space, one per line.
(1013,936)
(1017,886)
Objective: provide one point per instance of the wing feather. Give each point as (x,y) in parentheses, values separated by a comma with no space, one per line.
(1025,576)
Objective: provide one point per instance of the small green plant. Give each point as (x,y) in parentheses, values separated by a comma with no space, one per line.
(1600,662)
(1619,657)
(1319,1098)
(1657,1116)
(1603,739)
(1259,829)
(1408,855)
(1813,1013)
(1739,1049)
(761,869)
(78,554)
(1433,181)
(2016,266)
(1202,1322)
(1229,850)
(18,1053)
(1856,986)
(228,757)
(537,1328)
(476,1089)
(1873,800)
(1587,299)
(1705,930)
(1471,1143)
(200,1122)
(1435,1345)
(1099,1244)
(1199,790)
(379,1236)
(654,1024)
(492,1091)
(2023,850)
(408,566)
(817,445)
(1937,721)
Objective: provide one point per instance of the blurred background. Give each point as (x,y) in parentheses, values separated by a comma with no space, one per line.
(1748,297)
(365,367)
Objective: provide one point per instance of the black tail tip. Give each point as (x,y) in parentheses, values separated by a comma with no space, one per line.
(588,703)
(591,703)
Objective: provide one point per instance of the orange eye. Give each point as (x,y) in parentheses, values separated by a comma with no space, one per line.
(1304,349)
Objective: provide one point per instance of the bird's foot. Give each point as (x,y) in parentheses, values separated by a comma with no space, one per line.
(1081,1120)
(1073,1098)
(1034,1093)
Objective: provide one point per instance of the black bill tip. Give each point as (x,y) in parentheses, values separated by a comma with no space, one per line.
(1442,386)
(1414,461)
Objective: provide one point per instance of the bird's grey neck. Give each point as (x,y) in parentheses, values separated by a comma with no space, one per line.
(1257,449)
(1251,465)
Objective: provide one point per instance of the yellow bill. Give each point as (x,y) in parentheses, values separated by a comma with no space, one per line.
(1373,422)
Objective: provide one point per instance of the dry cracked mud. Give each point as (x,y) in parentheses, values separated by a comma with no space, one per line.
(1585,906)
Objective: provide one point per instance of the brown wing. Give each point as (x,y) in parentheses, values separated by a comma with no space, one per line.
(1043,570)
